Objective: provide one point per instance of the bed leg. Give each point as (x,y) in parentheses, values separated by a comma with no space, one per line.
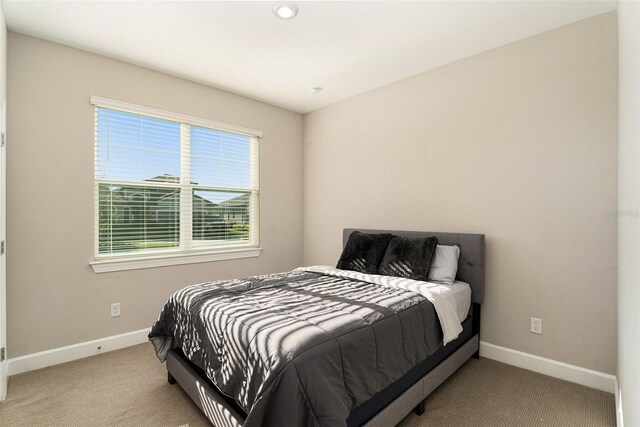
(475,327)
(419,410)
(170,378)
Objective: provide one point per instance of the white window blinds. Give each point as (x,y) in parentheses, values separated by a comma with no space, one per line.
(172,186)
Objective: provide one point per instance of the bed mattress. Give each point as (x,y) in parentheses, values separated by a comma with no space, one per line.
(299,348)
(363,413)
(462,294)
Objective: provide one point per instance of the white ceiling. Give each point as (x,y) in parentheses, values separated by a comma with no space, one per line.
(345,47)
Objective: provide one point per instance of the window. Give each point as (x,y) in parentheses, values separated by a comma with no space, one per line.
(167,184)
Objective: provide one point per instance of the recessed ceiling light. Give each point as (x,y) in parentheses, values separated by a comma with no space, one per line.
(315,90)
(285,10)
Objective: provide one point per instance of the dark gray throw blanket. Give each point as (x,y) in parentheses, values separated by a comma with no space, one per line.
(301,348)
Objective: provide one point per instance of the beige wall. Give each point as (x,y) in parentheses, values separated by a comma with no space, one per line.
(629,211)
(518,143)
(3,300)
(3,55)
(54,298)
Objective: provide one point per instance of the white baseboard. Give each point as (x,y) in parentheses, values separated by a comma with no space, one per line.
(619,417)
(31,362)
(564,371)
(553,368)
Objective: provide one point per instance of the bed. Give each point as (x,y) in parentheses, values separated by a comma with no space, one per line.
(331,358)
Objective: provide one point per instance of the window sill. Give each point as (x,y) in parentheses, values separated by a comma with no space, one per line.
(109,265)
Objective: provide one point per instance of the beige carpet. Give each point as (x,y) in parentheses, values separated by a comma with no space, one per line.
(129,388)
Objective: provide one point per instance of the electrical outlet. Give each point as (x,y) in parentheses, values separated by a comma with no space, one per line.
(115,309)
(536,325)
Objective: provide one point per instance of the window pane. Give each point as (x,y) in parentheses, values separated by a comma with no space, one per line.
(220,159)
(150,172)
(131,147)
(137,218)
(221,216)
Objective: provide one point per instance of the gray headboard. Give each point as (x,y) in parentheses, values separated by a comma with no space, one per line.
(470,265)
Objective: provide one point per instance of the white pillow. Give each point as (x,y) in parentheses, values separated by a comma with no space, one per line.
(444,265)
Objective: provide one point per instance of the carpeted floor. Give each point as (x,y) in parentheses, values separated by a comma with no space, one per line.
(129,388)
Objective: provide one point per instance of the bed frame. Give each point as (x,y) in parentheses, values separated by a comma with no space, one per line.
(223,412)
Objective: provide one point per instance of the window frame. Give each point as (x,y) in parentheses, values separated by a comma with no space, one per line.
(189,250)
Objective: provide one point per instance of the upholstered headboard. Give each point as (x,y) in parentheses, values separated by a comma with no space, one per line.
(470,264)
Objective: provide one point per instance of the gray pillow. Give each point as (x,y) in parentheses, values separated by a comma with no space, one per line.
(444,265)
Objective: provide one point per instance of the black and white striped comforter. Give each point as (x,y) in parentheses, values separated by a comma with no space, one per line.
(304,348)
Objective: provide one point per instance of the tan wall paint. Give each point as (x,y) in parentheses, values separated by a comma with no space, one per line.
(629,205)
(54,297)
(3,55)
(3,297)
(518,143)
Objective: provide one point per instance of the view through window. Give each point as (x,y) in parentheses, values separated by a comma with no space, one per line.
(169,186)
